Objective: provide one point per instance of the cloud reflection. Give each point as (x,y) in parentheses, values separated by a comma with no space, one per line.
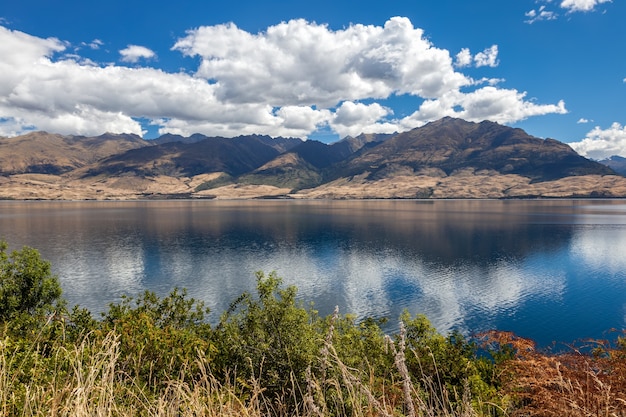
(466,265)
(601,248)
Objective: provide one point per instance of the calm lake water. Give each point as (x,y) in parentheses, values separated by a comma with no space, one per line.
(551,270)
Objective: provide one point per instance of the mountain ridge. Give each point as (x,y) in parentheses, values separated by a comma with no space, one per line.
(447,158)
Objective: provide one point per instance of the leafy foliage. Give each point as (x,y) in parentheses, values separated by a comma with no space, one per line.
(27,285)
(271,337)
(158,336)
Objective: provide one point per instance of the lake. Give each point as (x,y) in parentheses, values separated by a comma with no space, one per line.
(551,270)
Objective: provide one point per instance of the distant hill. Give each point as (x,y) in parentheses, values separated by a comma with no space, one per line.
(234,157)
(169,137)
(616,163)
(448,158)
(308,164)
(46,153)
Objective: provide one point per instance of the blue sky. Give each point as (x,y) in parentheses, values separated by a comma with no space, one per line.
(319,70)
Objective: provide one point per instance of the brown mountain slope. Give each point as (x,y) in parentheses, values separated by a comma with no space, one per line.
(305,165)
(234,157)
(453,144)
(287,170)
(45,153)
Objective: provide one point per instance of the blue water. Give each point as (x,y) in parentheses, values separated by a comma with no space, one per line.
(551,270)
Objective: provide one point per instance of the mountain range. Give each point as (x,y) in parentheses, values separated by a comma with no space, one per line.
(448,158)
(616,163)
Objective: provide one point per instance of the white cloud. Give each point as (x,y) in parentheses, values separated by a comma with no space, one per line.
(582,120)
(302,118)
(95,44)
(603,143)
(487,58)
(10,127)
(463,58)
(571,6)
(539,15)
(303,63)
(486,103)
(351,119)
(290,80)
(19,49)
(133,53)
(581,5)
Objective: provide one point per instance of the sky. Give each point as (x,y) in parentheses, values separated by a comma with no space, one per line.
(316,70)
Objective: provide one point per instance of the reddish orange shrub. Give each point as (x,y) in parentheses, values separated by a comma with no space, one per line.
(589,380)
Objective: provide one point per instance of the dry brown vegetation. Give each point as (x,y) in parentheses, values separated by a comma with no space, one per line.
(582,381)
(468,184)
(463,184)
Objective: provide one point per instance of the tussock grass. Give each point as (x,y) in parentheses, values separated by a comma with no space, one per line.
(88,379)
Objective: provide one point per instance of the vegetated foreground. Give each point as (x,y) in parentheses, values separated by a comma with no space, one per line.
(270,355)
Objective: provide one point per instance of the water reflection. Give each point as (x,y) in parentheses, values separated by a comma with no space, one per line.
(601,248)
(527,266)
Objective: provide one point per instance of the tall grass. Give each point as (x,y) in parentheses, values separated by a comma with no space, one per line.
(88,380)
(40,378)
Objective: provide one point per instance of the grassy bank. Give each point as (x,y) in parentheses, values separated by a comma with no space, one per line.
(272,355)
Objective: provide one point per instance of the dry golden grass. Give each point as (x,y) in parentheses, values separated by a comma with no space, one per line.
(88,382)
(466,183)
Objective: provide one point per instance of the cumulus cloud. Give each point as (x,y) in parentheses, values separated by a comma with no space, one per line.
(582,120)
(463,58)
(581,5)
(133,53)
(486,58)
(303,63)
(603,143)
(351,119)
(290,80)
(486,103)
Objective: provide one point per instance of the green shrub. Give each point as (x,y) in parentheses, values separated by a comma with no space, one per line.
(159,337)
(26,284)
(270,338)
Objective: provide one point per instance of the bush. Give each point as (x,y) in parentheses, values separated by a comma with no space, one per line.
(270,338)
(159,337)
(27,286)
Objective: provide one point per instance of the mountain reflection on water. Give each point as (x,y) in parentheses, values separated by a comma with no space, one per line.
(552,270)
